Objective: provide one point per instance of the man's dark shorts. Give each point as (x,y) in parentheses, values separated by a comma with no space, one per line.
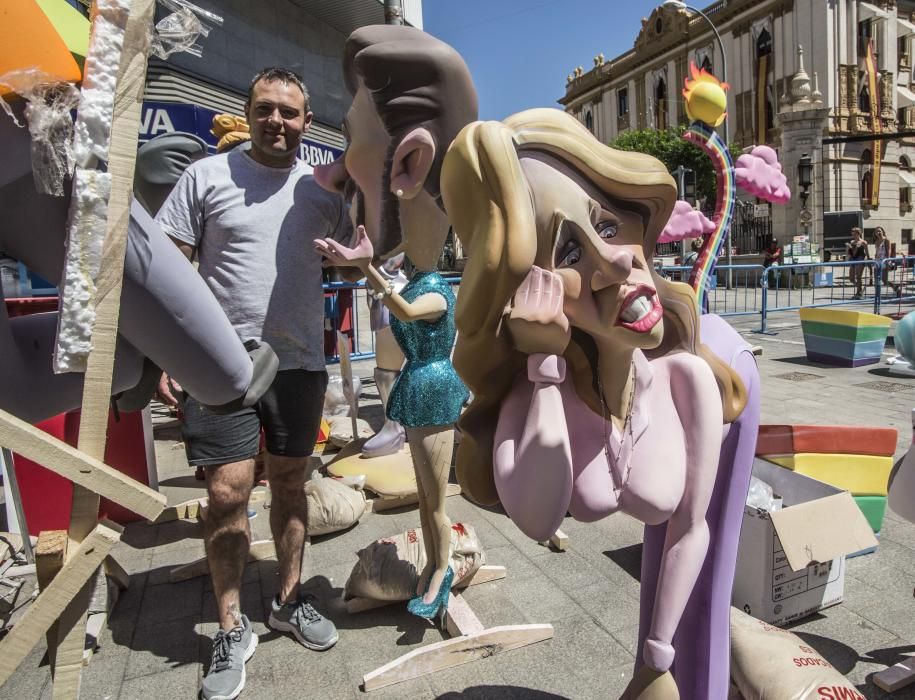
(289,412)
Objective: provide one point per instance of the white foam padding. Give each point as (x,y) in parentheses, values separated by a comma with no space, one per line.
(92,135)
(87,222)
(85,237)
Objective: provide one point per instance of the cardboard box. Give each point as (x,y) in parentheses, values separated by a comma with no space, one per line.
(791,563)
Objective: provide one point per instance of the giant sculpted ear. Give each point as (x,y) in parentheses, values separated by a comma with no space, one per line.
(413,159)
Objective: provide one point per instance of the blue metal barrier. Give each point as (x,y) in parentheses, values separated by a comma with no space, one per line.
(755,290)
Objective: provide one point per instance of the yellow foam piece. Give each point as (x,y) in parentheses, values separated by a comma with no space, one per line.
(843,317)
(860,475)
(391,476)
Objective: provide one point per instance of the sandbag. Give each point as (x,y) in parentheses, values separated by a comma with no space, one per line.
(332,505)
(389,568)
(341,430)
(337,399)
(768,663)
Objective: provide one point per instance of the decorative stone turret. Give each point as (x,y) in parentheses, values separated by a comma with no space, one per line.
(800,83)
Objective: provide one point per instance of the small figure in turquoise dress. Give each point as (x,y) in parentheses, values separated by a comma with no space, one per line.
(428,391)
(426,399)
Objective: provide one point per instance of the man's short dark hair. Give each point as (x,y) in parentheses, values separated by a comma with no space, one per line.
(283,75)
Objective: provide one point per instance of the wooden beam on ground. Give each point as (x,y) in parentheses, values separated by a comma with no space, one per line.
(460,619)
(116,573)
(259,551)
(558,541)
(79,467)
(455,652)
(93,426)
(897,676)
(52,602)
(379,505)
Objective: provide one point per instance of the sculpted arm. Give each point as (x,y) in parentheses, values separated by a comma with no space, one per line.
(696,398)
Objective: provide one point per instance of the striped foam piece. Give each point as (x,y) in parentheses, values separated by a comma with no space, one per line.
(841,337)
(860,475)
(844,439)
(873,508)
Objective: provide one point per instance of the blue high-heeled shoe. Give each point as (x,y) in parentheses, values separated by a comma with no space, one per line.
(439,606)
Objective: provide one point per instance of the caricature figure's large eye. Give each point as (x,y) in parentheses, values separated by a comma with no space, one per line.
(606,229)
(569,254)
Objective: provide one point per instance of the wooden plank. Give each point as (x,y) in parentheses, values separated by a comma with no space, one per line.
(897,676)
(79,467)
(50,556)
(117,574)
(259,551)
(49,606)
(455,652)
(460,620)
(379,505)
(558,541)
(93,427)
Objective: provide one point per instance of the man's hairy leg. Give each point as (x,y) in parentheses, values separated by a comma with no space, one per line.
(288,519)
(227,535)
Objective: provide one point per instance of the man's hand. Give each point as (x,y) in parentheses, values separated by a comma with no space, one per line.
(166,390)
(536,321)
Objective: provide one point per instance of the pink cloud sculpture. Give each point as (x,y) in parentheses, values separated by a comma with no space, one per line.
(759,173)
(685,222)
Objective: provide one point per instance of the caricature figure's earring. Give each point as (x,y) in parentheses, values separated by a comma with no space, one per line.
(398,193)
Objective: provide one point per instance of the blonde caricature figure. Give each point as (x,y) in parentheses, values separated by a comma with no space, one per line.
(411,95)
(591,391)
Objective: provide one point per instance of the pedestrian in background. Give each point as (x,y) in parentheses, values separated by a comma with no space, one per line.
(856,251)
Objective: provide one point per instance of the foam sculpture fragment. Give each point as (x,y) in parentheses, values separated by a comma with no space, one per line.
(91,187)
(856,458)
(842,337)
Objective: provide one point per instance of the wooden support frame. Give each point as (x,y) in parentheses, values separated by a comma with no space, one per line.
(259,551)
(470,641)
(558,541)
(379,505)
(54,600)
(80,468)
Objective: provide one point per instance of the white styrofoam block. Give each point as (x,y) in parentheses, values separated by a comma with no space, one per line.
(92,135)
(85,237)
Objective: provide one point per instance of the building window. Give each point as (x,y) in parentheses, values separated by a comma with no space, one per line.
(589,121)
(865,34)
(902,49)
(867,179)
(622,102)
(864,98)
(706,64)
(660,101)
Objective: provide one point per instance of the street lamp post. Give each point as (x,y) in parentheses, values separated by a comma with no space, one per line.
(724,78)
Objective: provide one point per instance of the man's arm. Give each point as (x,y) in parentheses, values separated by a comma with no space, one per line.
(186,248)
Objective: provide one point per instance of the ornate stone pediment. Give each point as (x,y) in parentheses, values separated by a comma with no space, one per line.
(665,28)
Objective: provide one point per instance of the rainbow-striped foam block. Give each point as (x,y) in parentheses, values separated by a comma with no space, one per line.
(856,458)
(841,337)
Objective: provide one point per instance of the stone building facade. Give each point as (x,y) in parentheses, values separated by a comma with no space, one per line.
(642,88)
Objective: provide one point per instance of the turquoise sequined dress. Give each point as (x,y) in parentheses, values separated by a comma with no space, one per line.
(428,390)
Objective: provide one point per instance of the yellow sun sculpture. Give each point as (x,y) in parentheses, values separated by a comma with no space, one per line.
(705,98)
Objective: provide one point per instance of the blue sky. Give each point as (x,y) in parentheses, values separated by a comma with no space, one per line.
(520,52)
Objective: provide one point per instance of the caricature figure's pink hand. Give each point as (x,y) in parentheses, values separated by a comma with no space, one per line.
(537,322)
(360,255)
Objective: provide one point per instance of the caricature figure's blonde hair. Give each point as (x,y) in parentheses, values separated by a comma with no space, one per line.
(489,204)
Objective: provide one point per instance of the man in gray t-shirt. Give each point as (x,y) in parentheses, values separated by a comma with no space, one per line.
(250,216)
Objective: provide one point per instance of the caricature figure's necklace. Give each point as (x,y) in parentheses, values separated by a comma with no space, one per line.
(620,465)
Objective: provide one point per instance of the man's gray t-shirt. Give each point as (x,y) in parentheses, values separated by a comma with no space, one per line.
(254,227)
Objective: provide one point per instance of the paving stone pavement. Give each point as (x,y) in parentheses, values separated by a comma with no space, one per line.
(158,636)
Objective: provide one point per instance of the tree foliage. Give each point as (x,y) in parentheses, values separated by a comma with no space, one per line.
(673,150)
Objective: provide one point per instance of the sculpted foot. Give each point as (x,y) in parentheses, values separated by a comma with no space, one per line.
(648,684)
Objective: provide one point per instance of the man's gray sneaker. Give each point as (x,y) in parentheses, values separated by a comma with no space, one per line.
(226,677)
(307,624)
